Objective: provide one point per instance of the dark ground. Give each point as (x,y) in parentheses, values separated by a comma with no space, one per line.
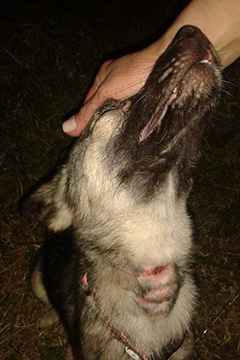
(49,54)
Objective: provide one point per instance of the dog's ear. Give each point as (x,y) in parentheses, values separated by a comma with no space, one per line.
(37,206)
(49,202)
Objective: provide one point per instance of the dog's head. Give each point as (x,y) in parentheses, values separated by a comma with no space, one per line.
(137,150)
(162,129)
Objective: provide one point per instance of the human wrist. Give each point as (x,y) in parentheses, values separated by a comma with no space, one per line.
(218,20)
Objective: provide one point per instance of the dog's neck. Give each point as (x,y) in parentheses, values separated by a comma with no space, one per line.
(130,348)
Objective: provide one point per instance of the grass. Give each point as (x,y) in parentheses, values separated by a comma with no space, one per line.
(49,54)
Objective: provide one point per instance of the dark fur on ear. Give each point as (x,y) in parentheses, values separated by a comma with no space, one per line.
(34,204)
(48,202)
(34,209)
(37,203)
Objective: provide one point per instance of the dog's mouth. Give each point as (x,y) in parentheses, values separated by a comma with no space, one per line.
(183,85)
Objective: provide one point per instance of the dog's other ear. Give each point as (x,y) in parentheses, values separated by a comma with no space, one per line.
(38,204)
(49,203)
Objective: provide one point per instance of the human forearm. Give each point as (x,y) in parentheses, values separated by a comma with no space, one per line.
(218,19)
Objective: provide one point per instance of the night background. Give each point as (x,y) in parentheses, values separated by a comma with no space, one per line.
(50,52)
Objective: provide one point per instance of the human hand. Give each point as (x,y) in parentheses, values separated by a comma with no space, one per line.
(117,79)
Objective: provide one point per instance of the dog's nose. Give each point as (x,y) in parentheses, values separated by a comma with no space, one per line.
(187,31)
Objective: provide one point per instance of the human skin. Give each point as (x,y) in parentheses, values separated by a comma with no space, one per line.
(219,20)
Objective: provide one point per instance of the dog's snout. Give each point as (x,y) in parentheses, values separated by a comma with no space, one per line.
(189,30)
(186,32)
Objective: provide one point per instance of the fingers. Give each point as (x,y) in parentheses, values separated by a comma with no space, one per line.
(100,78)
(116,79)
(77,123)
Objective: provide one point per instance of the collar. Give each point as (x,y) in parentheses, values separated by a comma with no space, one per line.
(130,348)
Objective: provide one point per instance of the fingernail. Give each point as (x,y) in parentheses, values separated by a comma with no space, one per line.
(69,125)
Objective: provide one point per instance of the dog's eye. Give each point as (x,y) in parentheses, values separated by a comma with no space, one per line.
(107,106)
(106,110)
(111,105)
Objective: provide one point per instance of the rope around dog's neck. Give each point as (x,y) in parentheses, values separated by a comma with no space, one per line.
(130,348)
(136,355)
(216,317)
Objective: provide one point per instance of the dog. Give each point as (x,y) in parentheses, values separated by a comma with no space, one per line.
(116,263)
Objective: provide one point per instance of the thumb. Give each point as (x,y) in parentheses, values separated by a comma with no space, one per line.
(94,98)
(77,123)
